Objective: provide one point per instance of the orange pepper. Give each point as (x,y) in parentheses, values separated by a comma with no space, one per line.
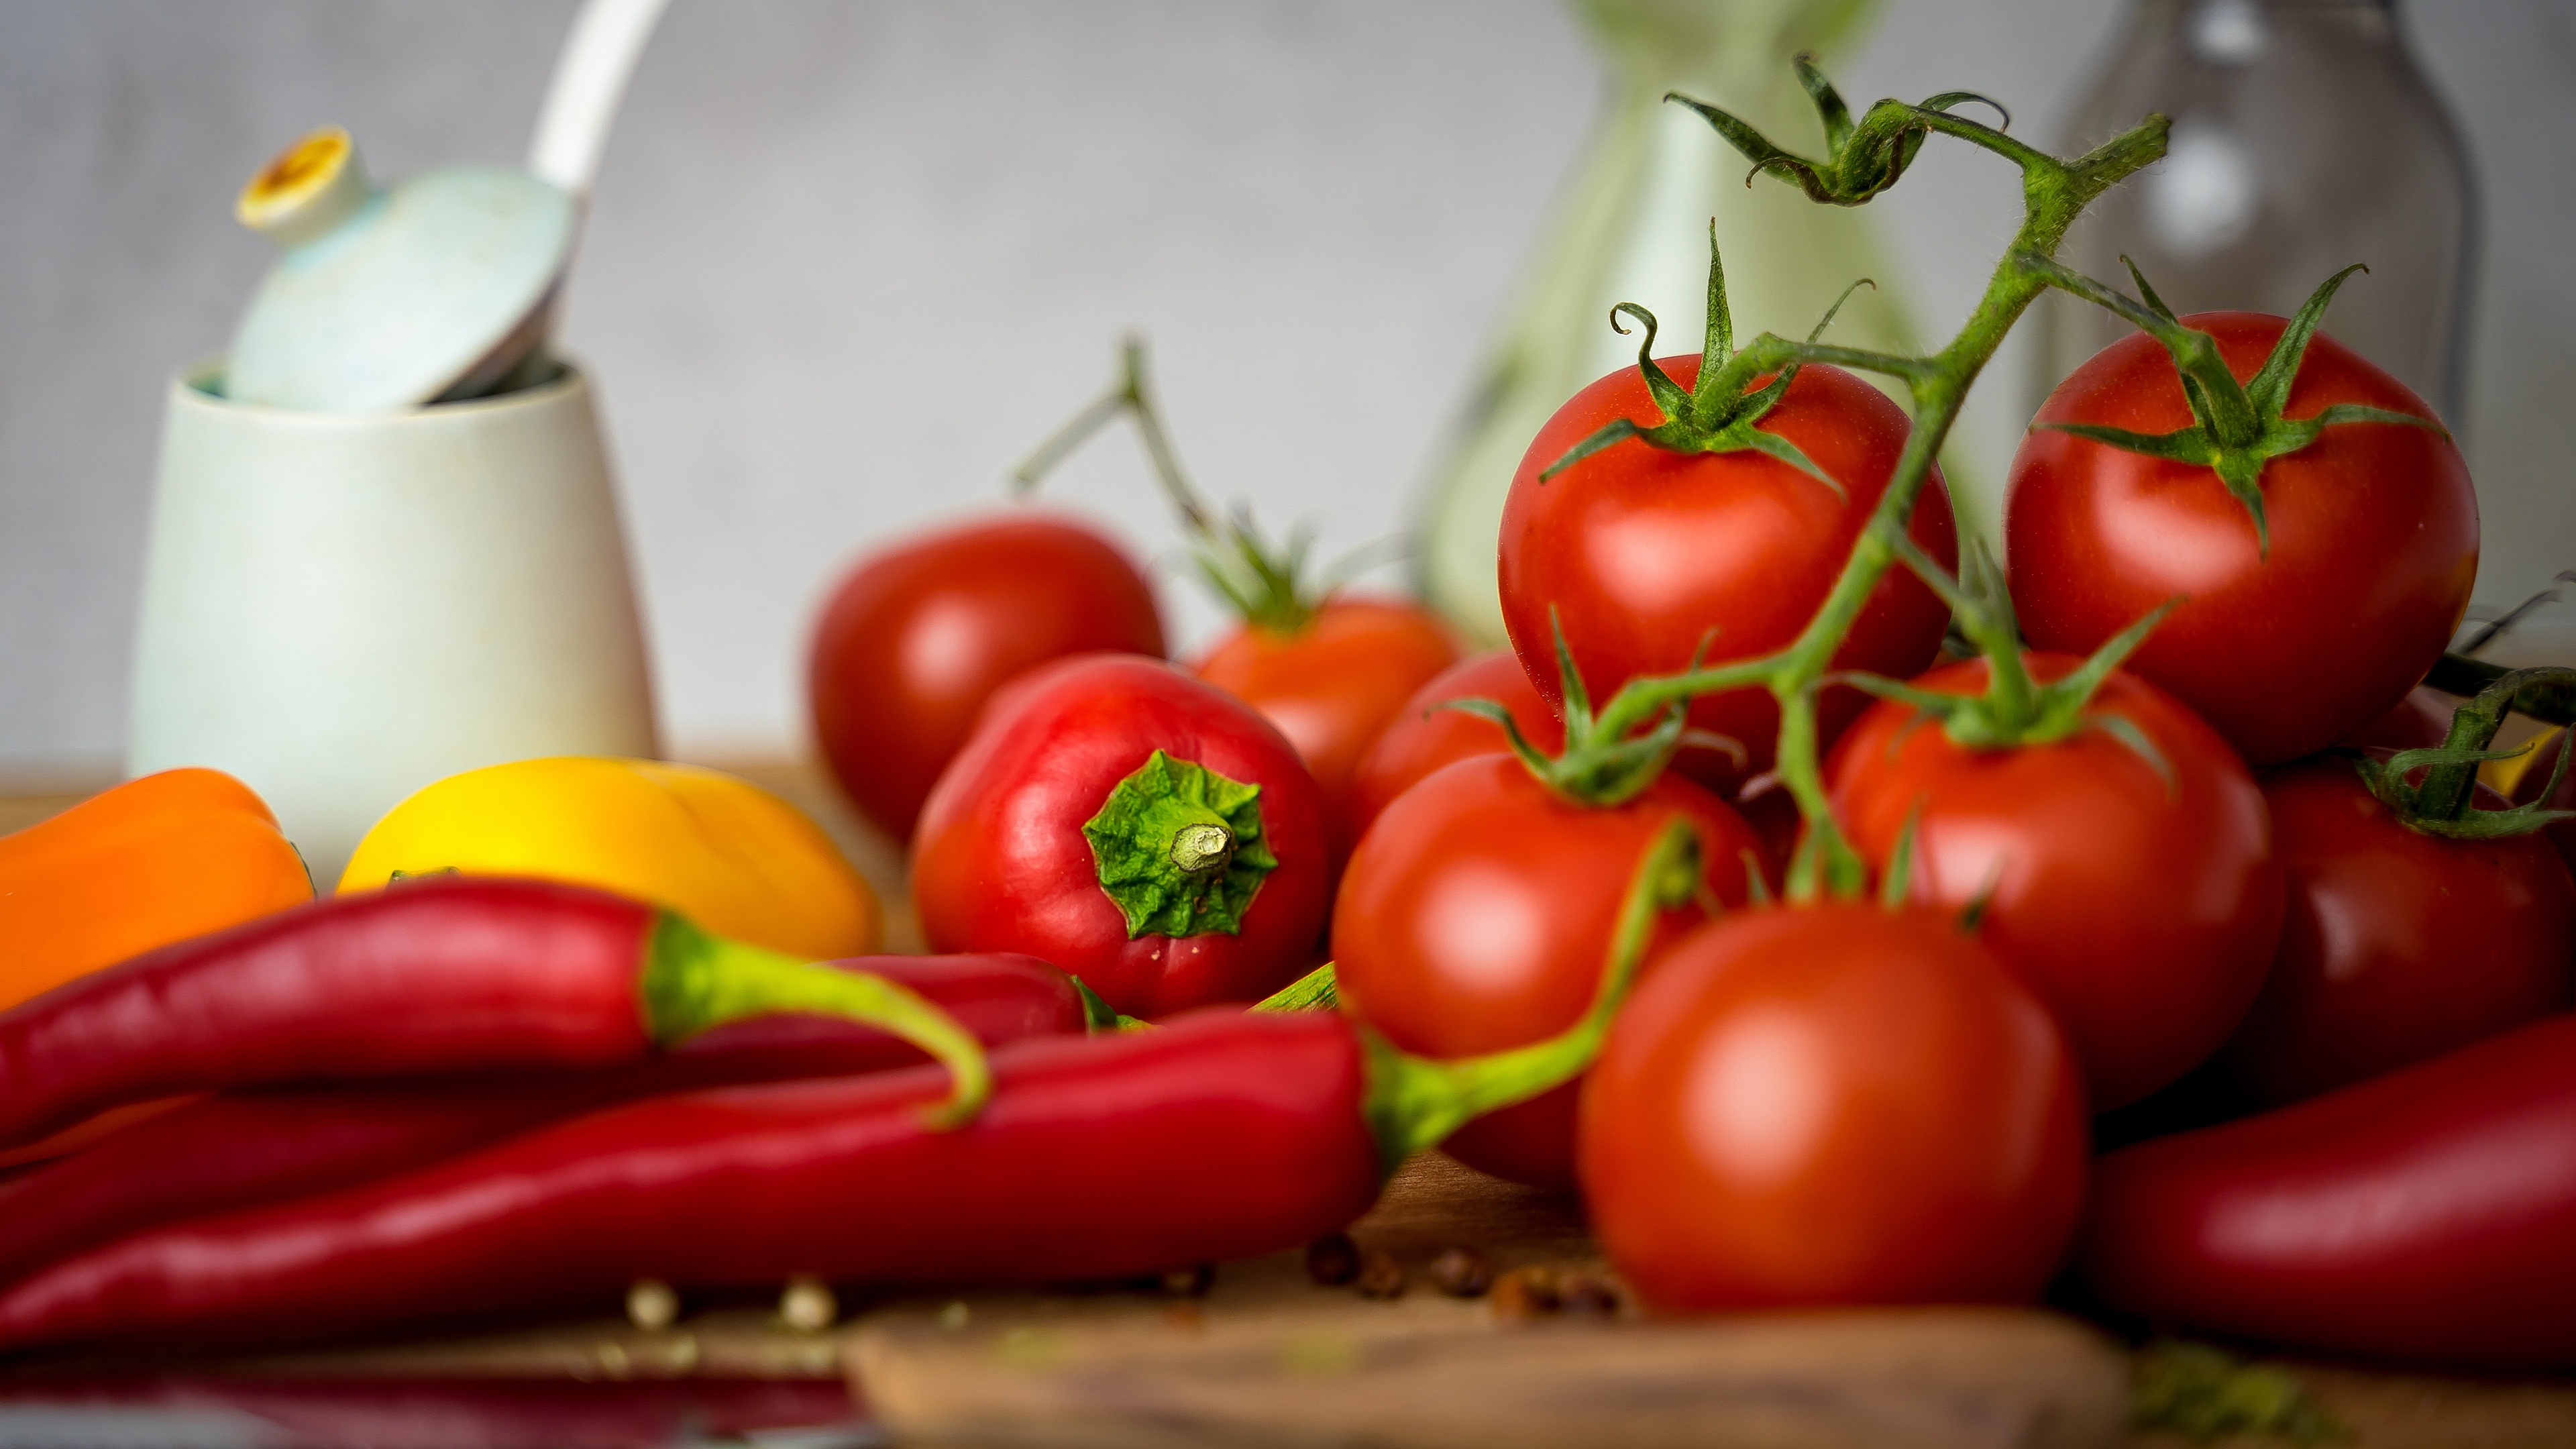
(149,862)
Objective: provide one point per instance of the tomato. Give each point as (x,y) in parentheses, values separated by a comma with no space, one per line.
(1832,1104)
(1333,685)
(917,637)
(1476,916)
(1650,556)
(2374,544)
(1138,828)
(2423,1215)
(1422,736)
(2420,721)
(2398,946)
(2143,911)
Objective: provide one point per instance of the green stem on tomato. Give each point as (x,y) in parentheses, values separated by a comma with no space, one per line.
(1866,160)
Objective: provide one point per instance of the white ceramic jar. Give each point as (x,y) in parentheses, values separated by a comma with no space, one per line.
(339,608)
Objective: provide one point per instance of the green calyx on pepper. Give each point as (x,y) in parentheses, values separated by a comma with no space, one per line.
(694,981)
(1414,1102)
(2236,429)
(1180,849)
(2440,803)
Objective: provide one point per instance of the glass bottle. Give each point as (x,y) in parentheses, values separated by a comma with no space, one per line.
(2305,138)
(1632,225)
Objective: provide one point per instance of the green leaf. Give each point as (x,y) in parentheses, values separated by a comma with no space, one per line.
(2204,1393)
(1616,431)
(2270,389)
(2183,445)
(1180,849)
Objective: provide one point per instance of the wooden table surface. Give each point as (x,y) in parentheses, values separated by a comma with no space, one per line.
(1268,1357)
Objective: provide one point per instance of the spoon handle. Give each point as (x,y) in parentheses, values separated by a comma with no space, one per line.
(590,78)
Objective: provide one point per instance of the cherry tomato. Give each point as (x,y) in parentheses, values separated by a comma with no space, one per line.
(1422,736)
(2374,544)
(1832,1104)
(917,637)
(1333,685)
(2422,1215)
(2142,909)
(2418,722)
(1139,828)
(2398,946)
(1476,915)
(1649,557)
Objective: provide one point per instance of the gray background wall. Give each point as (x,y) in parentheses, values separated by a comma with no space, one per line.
(849,260)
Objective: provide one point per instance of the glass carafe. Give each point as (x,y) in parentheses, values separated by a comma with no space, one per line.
(1632,225)
(2305,138)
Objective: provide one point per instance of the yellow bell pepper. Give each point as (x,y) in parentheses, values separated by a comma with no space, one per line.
(719,850)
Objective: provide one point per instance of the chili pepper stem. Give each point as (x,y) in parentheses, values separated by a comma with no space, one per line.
(1414,1102)
(694,981)
(1317,990)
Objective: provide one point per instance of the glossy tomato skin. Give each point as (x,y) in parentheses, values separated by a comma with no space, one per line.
(2422,1215)
(2418,722)
(2398,946)
(1832,1104)
(1001,858)
(1422,737)
(1476,916)
(917,638)
(2374,545)
(1333,685)
(1647,555)
(2144,914)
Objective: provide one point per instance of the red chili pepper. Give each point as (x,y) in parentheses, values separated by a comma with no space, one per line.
(451,975)
(2427,1215)
(1224,1133)
(241,1149)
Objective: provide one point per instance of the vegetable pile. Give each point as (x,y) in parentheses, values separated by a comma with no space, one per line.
(1807,887)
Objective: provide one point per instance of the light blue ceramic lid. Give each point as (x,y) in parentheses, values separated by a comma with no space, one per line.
(390,297)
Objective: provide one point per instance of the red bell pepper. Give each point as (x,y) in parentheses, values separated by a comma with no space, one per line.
(2427,1215)
(1144,830)
(241,1149)
(1224,1133)
(457,974)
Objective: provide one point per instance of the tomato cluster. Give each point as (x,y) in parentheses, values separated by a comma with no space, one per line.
(2173,816)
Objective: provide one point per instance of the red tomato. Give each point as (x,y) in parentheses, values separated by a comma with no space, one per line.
(2143,913)
(1648,555)
(2374,545)
(1333,685)
(2397,946)
(1832,1104)
(2422,1215)
(917,638)
(1476,916)
(1422,737)
(2420,721)
(1003,860)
